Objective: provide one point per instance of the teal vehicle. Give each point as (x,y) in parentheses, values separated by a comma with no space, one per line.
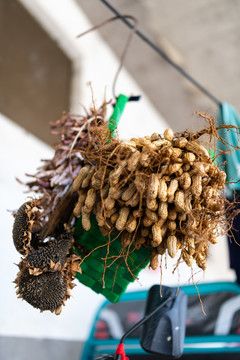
(212,325)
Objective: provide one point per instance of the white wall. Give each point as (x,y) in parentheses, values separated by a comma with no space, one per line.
(93,61)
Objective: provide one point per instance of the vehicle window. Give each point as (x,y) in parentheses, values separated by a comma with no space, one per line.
(115,319)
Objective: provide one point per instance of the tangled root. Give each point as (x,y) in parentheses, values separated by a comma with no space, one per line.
(161,192)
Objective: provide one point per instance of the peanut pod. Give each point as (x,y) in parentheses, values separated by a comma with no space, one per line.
(109,203)
(196,185)
(155,137)
(79,179)
(162,190)
(145,232)
(186,257)
(173,186)
(189,158)
(125,239)
(133,161)
(153,187)
(168,134)
(176,153)
(145,158)
(161,249)
(198,168)
(172,245)
(173,168)
(86,223)
(163,210)
(147,222)
(109,213)
(157,234)
(171,224)
(122,219)
(99,215)
(180,142)
(172,214)
(81,200)
(86,181)
(134,201)
(138,242)
(140,183)
(116,192)
(190,246)
(131,224)
(115,174)
(152,204)
(185,181)
(154,259)
(91,198)
(151,215)
(114,218)
(105,190)
(129,192)
(96,179)
(197,149)
(179,201)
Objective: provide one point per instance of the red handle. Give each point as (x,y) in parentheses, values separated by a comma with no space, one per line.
(121,351)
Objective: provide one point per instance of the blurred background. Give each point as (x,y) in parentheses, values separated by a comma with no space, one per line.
(45,70)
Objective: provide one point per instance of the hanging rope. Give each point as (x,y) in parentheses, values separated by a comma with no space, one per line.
(163,54)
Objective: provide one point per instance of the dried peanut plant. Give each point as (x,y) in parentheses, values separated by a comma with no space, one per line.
(162,192)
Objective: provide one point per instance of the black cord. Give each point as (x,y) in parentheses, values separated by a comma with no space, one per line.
(142,321)
(163,54)
(146,317)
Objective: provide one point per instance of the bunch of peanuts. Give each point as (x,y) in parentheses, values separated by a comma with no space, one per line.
(161,192)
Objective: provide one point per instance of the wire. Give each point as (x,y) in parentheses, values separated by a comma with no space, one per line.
(163,54)
(123,56)
(145,318)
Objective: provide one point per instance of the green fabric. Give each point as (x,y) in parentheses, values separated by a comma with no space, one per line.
(227,115)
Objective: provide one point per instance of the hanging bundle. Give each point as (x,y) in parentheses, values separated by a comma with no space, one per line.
(160,192)
(128,203)
(108,207)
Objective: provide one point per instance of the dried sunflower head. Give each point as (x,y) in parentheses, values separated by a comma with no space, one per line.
(47,291)
(51,256)
(25,219)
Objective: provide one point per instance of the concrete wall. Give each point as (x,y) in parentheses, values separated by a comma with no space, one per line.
(201,36)
(35,73)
